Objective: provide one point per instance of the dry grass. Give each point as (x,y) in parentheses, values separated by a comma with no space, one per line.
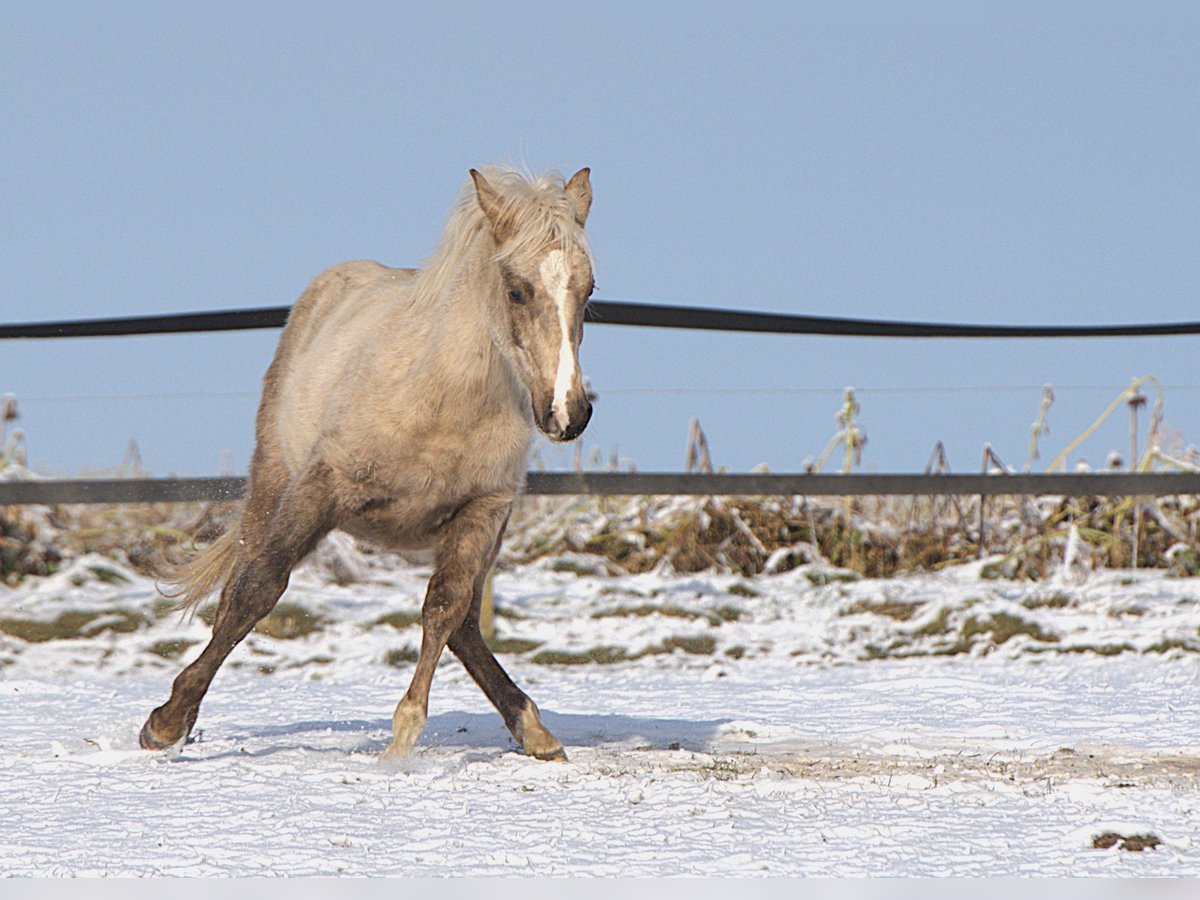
(864,536)
(698,645)
(149,538)
(1133,842)
(1024,537)
(867,536)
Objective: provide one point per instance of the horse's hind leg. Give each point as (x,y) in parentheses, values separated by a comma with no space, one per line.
(303,515)
(519,712)
(464,549)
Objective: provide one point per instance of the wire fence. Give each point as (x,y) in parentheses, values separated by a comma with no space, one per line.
(604,312)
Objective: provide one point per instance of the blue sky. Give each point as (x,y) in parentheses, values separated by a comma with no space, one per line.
(976,175)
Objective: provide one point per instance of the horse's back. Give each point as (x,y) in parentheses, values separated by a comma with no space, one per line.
(331,289)
(322,346)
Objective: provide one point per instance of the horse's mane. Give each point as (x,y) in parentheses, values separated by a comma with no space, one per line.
(542,215)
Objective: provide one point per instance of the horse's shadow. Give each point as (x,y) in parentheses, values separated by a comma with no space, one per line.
(475,733)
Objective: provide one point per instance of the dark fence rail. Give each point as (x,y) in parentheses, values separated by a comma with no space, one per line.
(170,490)
(606,312)
(611,312)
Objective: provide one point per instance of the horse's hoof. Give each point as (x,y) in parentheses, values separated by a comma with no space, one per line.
(556,755)
(397,751)
(148,741)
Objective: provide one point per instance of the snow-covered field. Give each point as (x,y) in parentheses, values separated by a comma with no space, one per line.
(801,723)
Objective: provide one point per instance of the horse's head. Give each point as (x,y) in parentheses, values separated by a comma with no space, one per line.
(545,279)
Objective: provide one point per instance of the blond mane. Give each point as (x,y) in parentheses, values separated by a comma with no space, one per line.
(541,212)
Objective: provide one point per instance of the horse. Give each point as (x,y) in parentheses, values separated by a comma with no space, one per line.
(400,407)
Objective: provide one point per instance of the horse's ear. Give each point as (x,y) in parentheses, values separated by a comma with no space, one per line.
(579,189)
(493,207)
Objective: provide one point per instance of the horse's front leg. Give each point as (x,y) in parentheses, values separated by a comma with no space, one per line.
(464,549)
(520,713)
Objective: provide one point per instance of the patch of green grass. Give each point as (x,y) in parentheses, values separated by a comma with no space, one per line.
(726,613)
(574,566)
(939,624)
(741,589)
(699,645)
(1098,649)
(1168,644)
(1054,600)
(874,651)
(1007,569)
(399,620)
(645,609)
(609,591)
(604,655)
(892,609)
(73,625)
(311,661)
(826,576)
(170,649)
(100,573)
(619,549)
(405,656)
(1185,563)
(289,621)
(649,609)
(164,608)
(1135,611)
(1004,627)
(513,645)
(997,628)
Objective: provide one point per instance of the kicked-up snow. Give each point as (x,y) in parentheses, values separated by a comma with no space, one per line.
(805,723)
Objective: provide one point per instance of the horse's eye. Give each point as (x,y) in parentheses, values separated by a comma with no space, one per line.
(515,296)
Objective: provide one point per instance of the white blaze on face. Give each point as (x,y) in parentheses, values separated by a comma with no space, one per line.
(556,275)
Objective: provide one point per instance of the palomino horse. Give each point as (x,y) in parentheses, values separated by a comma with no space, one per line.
(400,407)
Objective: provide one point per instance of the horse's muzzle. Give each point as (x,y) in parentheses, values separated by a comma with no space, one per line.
(576,422)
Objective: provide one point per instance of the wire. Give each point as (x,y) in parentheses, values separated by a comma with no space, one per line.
(104,398)
(957,389)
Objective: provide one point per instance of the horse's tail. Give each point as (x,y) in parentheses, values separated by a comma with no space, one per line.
(192,581)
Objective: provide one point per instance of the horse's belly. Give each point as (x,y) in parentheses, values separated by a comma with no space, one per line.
(391,533)
(400,525)
(429,489)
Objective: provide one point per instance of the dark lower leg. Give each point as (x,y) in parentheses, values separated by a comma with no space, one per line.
(443,605)
(245,601)
(304,515)
(520,714)
(464,550)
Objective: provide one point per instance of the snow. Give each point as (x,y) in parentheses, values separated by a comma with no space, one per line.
(803,723)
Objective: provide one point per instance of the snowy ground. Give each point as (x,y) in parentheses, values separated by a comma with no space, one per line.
(802,723)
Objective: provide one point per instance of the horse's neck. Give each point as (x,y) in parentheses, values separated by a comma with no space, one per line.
(462,354)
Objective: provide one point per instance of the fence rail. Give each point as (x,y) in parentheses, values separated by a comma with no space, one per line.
(613,312)
(606,312)
(173,490)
